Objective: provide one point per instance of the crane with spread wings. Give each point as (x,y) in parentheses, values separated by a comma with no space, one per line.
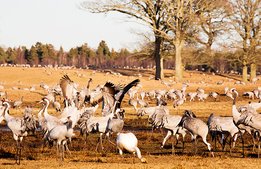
(69,90)
(112,95)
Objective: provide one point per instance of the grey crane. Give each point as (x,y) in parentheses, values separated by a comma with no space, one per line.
(248,118)
(112,95)
(249,94)
(169,123)
(151,110)
(86,93)
(222,125)
(18,103)
(238,118)
(196,127)
(214,95)
(134,103)
(51,121)
(98,124)
(69,90)
(60,133)
(19,127)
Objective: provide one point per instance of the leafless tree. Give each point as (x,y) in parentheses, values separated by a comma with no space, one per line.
(179,19)
(245,21)
(212,23)
(149,12)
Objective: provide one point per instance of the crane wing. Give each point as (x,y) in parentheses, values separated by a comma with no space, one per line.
(120,95)
(67,86)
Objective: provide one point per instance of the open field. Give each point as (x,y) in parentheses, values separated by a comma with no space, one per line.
(83,155)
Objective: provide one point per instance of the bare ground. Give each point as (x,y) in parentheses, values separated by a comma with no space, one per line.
(84,155)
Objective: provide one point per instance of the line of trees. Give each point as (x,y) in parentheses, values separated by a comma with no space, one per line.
(81,57)
(102,57)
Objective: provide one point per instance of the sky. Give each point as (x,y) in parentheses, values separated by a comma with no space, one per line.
(62,23)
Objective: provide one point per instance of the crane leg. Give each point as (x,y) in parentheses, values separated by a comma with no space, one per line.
(258,149)
(172,145)
(101,142)
(20,152)
(97,145)
(67,148)
(215,139)
(16,153)
(108,137)
(224,138)
(62,146)
(183,144)
(57,150)
(243,148)
(195,146)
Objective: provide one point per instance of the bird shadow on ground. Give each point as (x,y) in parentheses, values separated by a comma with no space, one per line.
(5,154)
(8,163)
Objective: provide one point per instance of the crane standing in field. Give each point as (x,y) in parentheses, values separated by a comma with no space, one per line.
(196,127)
(61,133)
(249,118)
(19,128)
(222,125)
(50,121)
(169,123)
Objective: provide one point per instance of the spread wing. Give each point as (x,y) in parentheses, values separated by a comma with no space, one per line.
(67,86)
(120,95)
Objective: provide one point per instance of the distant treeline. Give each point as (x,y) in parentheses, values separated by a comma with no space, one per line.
(102,57)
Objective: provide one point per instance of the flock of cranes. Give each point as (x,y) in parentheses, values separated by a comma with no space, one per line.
(79,108)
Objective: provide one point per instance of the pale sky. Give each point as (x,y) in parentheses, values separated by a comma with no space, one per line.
(62,23)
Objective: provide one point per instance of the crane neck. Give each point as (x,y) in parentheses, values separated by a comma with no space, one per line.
(46,106)
(41,111)
(88,84)
(6,110)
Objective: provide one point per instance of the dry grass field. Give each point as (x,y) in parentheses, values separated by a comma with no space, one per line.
(83,155)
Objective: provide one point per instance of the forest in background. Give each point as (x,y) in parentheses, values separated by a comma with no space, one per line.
(85,57)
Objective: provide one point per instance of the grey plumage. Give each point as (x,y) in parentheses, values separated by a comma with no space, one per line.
(222,125)
(18,103)
(19,127)
(61,133)
(196,127)
(171,124)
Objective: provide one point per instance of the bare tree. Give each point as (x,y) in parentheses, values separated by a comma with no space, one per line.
(246,23)
(212,23)
(149,12)
(179,19)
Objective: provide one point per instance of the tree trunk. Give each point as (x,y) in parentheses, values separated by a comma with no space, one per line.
(244,72)
(161,66)
(178,60)
(157,57)
(252,71)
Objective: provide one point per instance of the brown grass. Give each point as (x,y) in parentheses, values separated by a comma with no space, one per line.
(84,155)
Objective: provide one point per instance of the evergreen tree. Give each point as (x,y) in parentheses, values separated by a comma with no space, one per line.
(11,55)
(33,56)
(103,50)
(2,55)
